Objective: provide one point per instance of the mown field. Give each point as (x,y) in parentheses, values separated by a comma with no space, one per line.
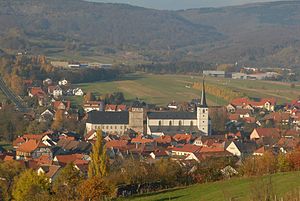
(162,89)
(238,189)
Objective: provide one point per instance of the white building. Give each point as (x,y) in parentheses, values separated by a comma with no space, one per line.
(162,123)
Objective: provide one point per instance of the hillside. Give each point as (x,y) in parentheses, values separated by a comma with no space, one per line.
(254,34)
(234,189)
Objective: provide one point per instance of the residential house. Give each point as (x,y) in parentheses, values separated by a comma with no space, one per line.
(46,116)
(258,133)
(160,154)
(185,150)
(55,91)
(93,105)
(32,149)
(63,82)
(78,92)
(50,171)
(241,149)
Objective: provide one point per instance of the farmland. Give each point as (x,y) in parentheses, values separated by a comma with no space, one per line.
(162,89)
(235,189)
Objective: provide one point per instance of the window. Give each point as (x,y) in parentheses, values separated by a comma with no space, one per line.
(121,127)
(191,123)
(110,127)
(203,110)
(159,123)
(115,127)
(180,123)
(202,121)
(106,127)
(170,123)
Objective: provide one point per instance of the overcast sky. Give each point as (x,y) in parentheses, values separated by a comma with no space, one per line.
(181,4)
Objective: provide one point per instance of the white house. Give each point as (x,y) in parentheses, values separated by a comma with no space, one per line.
(78,92)
(56,91)
(63,82)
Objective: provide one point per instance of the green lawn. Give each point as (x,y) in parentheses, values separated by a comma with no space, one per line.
(238,189)
(162,89)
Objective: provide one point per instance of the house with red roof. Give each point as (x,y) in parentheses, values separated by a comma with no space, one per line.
(258,133)
(32,149)
(265,103)
(36,92)
(63,160)
(183,138)
(185,150)
(50,171)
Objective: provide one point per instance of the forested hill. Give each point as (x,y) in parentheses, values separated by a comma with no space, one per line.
(260,34)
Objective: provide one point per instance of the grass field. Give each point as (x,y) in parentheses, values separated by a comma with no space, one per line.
(162,89)
(238,189)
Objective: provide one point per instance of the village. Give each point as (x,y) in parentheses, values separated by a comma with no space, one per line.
(182,133)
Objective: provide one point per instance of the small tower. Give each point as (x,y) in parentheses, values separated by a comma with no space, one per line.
(203,121)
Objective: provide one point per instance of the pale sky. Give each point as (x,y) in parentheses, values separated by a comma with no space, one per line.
(181,4)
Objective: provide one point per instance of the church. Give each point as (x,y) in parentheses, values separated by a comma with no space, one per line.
(171,123)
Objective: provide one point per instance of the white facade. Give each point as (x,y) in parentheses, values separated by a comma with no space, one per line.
(108,128)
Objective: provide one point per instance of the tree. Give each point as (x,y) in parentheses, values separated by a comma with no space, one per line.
(89,97)
(95,188)
(29,184)
(59,120)
(8,170)
(98,165)
(66,184)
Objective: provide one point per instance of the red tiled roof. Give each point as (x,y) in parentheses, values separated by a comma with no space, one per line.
(18,141)
(30,146)
(141,140)
(260,150)
(187,148)
(233,117)
(111,107)
(164,139)
(33,136)
(37,91)
(268,132)
(212,149)
(66,159)
(183,137)
(116,144)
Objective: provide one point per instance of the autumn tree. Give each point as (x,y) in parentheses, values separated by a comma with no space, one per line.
(59,120)
(66,184)
(8,170)
(29,184)
(98,165)
(95,189)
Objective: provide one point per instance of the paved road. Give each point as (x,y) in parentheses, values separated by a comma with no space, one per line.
(17,100)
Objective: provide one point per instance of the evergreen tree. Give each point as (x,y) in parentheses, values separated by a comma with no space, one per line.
(98,165)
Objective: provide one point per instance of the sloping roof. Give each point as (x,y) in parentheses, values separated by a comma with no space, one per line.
(30,146)
(187,148)
(37,91)
(183,137)
(268,132)
(73,146)
(70,158)
(172,115)
(116,144)
(101,117)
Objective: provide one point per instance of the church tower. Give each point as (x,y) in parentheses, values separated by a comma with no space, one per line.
(203,121)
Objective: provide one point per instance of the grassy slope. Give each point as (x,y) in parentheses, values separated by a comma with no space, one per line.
(161,89)
(239,189)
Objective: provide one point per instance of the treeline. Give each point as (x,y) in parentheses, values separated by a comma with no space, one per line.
(270,163)
(16,69)
(220,92)
(174,67)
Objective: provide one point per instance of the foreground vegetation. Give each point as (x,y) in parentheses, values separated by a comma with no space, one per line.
(232,189)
